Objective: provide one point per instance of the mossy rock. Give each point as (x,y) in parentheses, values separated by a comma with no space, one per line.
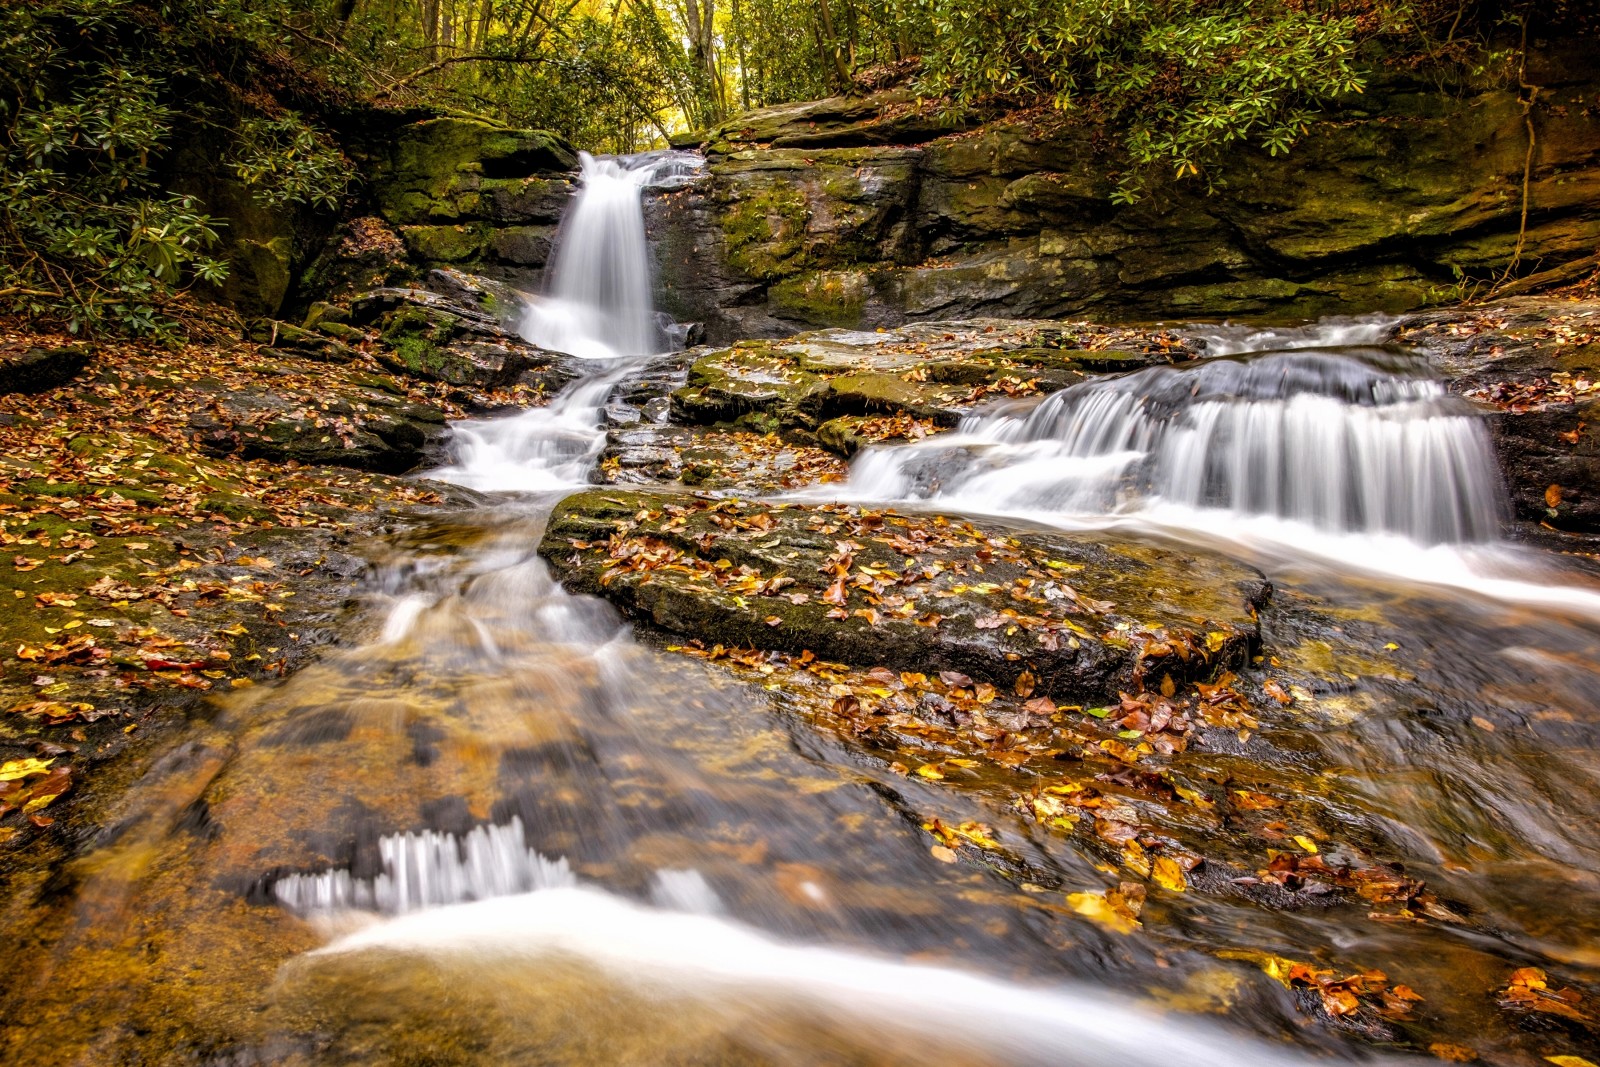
(436,169)
(460,243)
(827,298)
(981,599)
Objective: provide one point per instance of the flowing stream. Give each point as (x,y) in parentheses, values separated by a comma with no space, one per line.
(505,830)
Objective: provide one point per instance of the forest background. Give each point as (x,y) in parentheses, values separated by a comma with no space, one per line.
(100,99)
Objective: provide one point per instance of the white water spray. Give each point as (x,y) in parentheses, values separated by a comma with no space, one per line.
(727,967)
(1337,442)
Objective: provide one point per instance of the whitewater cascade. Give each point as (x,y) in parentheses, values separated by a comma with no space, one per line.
(1355,440)
(598,300)
(598,308)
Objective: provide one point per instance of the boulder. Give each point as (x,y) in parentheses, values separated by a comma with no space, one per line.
(1533,363)
(857,212)
(25,369)
(930,374)
(456,332)
(465,192)
(1073,617)
(358,424)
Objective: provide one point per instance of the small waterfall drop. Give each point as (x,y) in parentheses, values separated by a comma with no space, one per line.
(597,301)
(598,308)
(428,869)
(1356,441)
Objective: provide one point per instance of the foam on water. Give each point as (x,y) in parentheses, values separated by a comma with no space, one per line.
(597,302)
(717,961)
(598,307)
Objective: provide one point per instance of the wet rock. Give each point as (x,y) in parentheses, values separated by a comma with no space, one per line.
(457,331)
(361,426)
(1083,618)
(35,370)
(829,382)
(1534,364)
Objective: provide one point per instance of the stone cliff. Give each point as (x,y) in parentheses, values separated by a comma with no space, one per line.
(870,213)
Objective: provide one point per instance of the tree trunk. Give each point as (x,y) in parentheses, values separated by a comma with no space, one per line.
(430,28)
(833,53)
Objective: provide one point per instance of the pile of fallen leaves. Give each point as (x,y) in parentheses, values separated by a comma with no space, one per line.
(120,578)
(1520,396)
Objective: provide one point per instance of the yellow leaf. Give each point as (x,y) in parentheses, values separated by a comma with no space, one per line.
(929,770)
(1167,874)
(1569,1061)
(1305,842)
(12,770)
(1095,906)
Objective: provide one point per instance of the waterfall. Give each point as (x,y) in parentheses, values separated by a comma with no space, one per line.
(1352,441)
(598,307)
(598,299)
(427,869)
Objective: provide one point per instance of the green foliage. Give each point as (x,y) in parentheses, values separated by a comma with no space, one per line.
(284,161)
(1181,79)
(94,95)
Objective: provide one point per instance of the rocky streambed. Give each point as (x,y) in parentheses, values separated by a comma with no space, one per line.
(1329,807)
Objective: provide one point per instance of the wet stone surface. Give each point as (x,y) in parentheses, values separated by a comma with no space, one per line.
(1081,618)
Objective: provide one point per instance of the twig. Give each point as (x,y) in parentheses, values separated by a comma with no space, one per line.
(1527,103)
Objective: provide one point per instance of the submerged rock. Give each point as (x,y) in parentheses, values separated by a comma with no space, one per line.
(1072,617)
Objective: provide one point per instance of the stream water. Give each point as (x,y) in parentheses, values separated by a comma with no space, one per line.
(502,829)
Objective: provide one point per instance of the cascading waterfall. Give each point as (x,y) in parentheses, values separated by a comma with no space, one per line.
(597,307)
(490,897)
(429,868)
(1355,441)
(597,299)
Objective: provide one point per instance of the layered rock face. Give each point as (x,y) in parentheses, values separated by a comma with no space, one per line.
(461,192)
(865,213)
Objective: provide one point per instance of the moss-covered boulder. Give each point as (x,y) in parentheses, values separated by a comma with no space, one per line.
(816,215)
(458,331)
(466,192)
(436,170)
(895,384)
(1075,618)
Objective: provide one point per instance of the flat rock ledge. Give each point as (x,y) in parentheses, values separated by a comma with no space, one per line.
(1073,617)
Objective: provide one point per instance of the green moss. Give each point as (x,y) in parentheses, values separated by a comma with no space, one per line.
(765,231)
(827,298)
(446,244)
